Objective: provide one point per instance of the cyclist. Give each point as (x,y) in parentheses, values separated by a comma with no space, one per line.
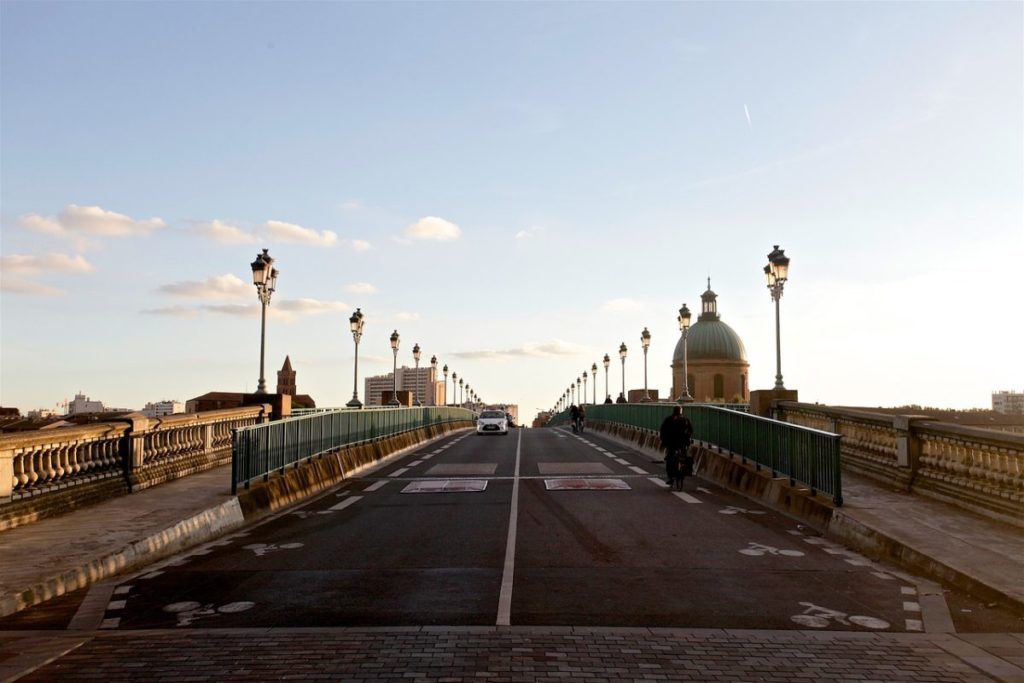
(574,414)
(581,418)
(676,432)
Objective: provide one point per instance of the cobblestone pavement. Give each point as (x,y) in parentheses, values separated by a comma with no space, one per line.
(523,654)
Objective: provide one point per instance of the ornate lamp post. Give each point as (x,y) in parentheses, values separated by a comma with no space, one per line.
(622,356)
(777,272)
(583,394)
(433,380)
(645,341)
(593,373)
(460,392)
(264,276)
(684,327)
(416,355)
(445,371)
(355,323)
(394,371)
(606,362)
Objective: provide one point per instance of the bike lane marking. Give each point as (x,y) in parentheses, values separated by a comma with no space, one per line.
(507,576)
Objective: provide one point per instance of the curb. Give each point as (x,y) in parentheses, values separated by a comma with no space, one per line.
(875,544)
(197,529)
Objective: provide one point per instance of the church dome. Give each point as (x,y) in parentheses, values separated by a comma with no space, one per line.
(709,338)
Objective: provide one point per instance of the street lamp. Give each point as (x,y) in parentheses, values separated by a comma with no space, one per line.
(433,380)
(584,395)
(645,341)
(445,371)
(578,392)
(606,362)
(461,394)
(684,327)
(264,276)
(593,373)
(416,354)
(776,273)
(356,323)
(622,356)
(394,372)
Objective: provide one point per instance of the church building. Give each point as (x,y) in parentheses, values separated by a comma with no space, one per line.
(716,360)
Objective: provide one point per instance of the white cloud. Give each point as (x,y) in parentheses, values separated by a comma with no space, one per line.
(529,232)
(218,287)
(225,233)
(90,220)
(361,245)
(289,232)
(16,285)
(232,309)
(310,306)
(433,228)
(361,288)
(176,311)
(555,347)
(351,205)
(18,263)
(622,304)
(404,315)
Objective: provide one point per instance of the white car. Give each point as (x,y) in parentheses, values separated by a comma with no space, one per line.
(492,422)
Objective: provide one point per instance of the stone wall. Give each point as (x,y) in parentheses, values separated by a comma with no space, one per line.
(977,469)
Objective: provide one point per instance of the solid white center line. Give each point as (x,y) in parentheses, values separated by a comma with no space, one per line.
(345,503)
(505,597)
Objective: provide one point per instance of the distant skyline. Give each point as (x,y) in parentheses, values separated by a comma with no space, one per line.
(517,187)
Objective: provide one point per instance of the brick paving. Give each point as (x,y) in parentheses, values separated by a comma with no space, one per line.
(516,654)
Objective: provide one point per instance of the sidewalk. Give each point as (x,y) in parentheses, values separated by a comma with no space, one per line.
(49,558)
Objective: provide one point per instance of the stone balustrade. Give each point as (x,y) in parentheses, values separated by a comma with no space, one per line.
(55,459)
(977,469)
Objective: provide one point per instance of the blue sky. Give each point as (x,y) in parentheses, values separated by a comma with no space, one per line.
(518,187)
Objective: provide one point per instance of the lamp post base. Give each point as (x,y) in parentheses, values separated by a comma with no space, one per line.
(607,400)
(621,398)
(354,403)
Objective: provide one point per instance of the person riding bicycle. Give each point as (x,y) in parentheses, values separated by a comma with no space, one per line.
(581,418)
(676,432)
(574,414)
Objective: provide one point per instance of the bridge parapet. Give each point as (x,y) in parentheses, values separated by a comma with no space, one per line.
(134,449)
(977,469)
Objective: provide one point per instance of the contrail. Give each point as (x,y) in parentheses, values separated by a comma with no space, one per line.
(747,112)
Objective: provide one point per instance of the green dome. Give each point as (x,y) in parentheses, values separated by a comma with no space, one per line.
(709,338)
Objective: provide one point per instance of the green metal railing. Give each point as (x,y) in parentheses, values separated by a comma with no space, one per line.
(258,450)
(805,455)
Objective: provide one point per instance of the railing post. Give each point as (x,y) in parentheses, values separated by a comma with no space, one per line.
(6,475)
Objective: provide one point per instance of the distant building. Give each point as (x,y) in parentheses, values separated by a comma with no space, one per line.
(1008,402)
(422,383)
(716,360)
(82,404)
(162,408)
(219,400)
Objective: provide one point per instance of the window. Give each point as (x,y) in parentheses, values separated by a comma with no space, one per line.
(719,386)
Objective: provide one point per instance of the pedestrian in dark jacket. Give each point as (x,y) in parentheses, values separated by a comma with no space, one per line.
(676,432)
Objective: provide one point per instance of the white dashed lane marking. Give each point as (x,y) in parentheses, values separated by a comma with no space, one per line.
(377,485)
(345,503)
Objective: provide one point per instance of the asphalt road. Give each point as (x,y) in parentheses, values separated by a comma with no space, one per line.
(538,528)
